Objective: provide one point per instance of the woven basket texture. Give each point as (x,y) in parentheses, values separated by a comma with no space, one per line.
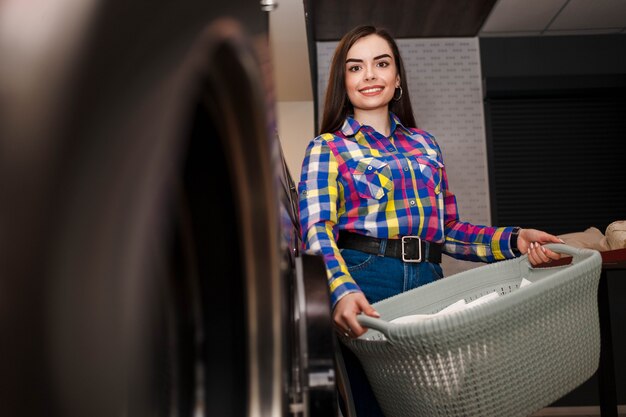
(509,357)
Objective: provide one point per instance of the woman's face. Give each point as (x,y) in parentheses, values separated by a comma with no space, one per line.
(371,74)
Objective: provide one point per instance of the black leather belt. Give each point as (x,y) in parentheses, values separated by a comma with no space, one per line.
(408,248)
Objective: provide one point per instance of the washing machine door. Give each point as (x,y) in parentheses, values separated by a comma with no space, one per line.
(145,265)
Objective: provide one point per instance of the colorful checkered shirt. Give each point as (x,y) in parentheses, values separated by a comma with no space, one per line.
(361,181)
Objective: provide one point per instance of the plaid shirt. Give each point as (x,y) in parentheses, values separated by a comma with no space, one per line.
(358,180)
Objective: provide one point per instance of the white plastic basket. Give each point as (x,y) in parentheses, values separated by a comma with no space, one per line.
(509,357)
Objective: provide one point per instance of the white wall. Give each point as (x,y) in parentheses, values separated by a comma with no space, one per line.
(294,95)
(290,54)
(295,129)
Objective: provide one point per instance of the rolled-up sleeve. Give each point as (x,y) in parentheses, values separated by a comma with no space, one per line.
(318,194)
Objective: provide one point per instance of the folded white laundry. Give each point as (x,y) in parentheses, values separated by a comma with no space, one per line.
(456,306)
(524,283)
(413,318)
(483,299)
(459,305)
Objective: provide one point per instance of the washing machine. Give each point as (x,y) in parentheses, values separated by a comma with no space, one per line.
(151,260)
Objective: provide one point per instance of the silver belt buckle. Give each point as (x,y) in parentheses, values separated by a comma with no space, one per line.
(419,248)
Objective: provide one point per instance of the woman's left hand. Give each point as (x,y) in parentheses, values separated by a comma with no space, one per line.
(531,241)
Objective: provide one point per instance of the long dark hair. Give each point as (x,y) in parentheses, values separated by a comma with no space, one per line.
(337,105)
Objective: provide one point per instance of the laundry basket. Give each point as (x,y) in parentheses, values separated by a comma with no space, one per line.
(509,357)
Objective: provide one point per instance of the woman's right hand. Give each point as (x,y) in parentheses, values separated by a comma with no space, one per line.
(346,310)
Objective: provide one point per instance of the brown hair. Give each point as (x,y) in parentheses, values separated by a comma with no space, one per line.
(337,106)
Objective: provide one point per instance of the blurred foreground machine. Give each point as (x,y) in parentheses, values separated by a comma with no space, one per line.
(148,224)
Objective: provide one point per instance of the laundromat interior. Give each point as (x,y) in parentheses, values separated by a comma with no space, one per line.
(151,177)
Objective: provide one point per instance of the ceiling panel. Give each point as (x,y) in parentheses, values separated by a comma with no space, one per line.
(555,17)
(522,15)
(591,14)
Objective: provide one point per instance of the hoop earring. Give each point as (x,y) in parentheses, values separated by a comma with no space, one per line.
(400,96)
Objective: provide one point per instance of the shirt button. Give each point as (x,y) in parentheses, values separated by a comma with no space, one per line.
(412,202)
(369,168)
(391,149)
(406,168)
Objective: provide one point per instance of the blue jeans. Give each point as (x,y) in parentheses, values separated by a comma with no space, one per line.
(379,278)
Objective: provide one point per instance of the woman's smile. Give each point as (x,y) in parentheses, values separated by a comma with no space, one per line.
(372,91)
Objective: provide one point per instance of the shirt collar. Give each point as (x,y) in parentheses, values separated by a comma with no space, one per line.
(351,126)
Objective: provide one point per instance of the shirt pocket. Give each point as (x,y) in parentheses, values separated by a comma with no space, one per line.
(429,172)
(372,177)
